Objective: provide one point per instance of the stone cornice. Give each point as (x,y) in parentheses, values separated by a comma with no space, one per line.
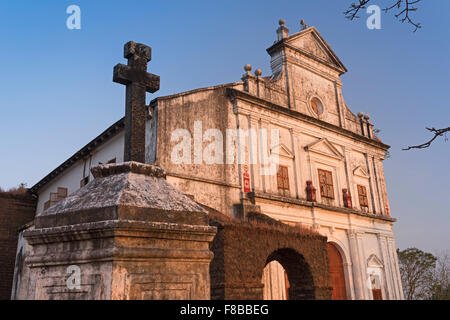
(234,94)
(305,203)
(110,228)
(199,179)
(106,170)
(185,93)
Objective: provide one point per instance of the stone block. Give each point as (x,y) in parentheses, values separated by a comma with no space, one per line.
(132,236)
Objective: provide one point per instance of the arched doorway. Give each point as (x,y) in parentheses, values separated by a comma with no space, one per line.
(337,278)
(287,276)
(276,283)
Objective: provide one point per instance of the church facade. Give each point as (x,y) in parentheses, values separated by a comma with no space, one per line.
(287,143)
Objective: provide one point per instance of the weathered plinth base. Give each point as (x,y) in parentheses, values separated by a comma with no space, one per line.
(130,235)
(120,260)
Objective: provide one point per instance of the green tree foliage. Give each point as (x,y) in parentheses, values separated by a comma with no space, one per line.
(417,271)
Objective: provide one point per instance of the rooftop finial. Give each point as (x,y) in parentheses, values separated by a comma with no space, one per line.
(303,23)
(282,31)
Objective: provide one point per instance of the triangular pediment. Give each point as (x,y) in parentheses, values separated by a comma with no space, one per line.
(310,43)
(374,262)
(361,172)
(282,151)
(324,147)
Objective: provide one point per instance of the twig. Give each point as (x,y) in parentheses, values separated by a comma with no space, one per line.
(352,12)
(437,133)
(405,7)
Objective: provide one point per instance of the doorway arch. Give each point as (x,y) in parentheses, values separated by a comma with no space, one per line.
(275,281)
(299,279)
(336,269)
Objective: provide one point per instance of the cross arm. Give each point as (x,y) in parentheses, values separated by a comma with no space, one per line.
(127,75)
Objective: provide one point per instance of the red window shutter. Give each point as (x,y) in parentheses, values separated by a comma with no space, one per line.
(279,181)
(362,195)
(283,178)
(326,184)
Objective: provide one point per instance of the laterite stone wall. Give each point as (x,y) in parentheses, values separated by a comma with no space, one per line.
(242,250)
(15,211)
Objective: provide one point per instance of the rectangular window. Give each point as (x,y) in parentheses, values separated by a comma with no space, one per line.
(362,195)
(283,178)
(84,182)
(326,184)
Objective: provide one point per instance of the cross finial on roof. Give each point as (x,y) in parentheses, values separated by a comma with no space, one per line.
(303,23)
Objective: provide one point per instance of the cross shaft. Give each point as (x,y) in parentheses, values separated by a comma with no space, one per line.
(138,82)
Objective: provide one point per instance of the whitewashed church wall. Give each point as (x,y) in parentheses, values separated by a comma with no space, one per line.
(195,113)
(112,149)
(151,133)
(69,179)
(274,282)
(209,193)
(256,178)
(72,176)
(307,85)
(351,155)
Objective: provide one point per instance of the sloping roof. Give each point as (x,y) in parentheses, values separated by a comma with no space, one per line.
(98,141)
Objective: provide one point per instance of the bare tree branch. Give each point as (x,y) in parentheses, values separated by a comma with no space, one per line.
(437,133)
(404,9)
(352,12)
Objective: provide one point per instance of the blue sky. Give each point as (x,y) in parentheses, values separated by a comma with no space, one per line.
(56,89)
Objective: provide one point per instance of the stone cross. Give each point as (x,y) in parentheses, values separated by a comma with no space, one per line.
(138,82)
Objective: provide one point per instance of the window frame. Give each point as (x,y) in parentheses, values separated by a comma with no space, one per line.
(364,196)
(326,189)
(284,186)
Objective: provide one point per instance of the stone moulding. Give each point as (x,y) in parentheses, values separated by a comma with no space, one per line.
(234,95)
(127,167)
(305,203)
(113,228)
(146,232)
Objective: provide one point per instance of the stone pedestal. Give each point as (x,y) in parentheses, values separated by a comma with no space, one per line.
(126,235)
